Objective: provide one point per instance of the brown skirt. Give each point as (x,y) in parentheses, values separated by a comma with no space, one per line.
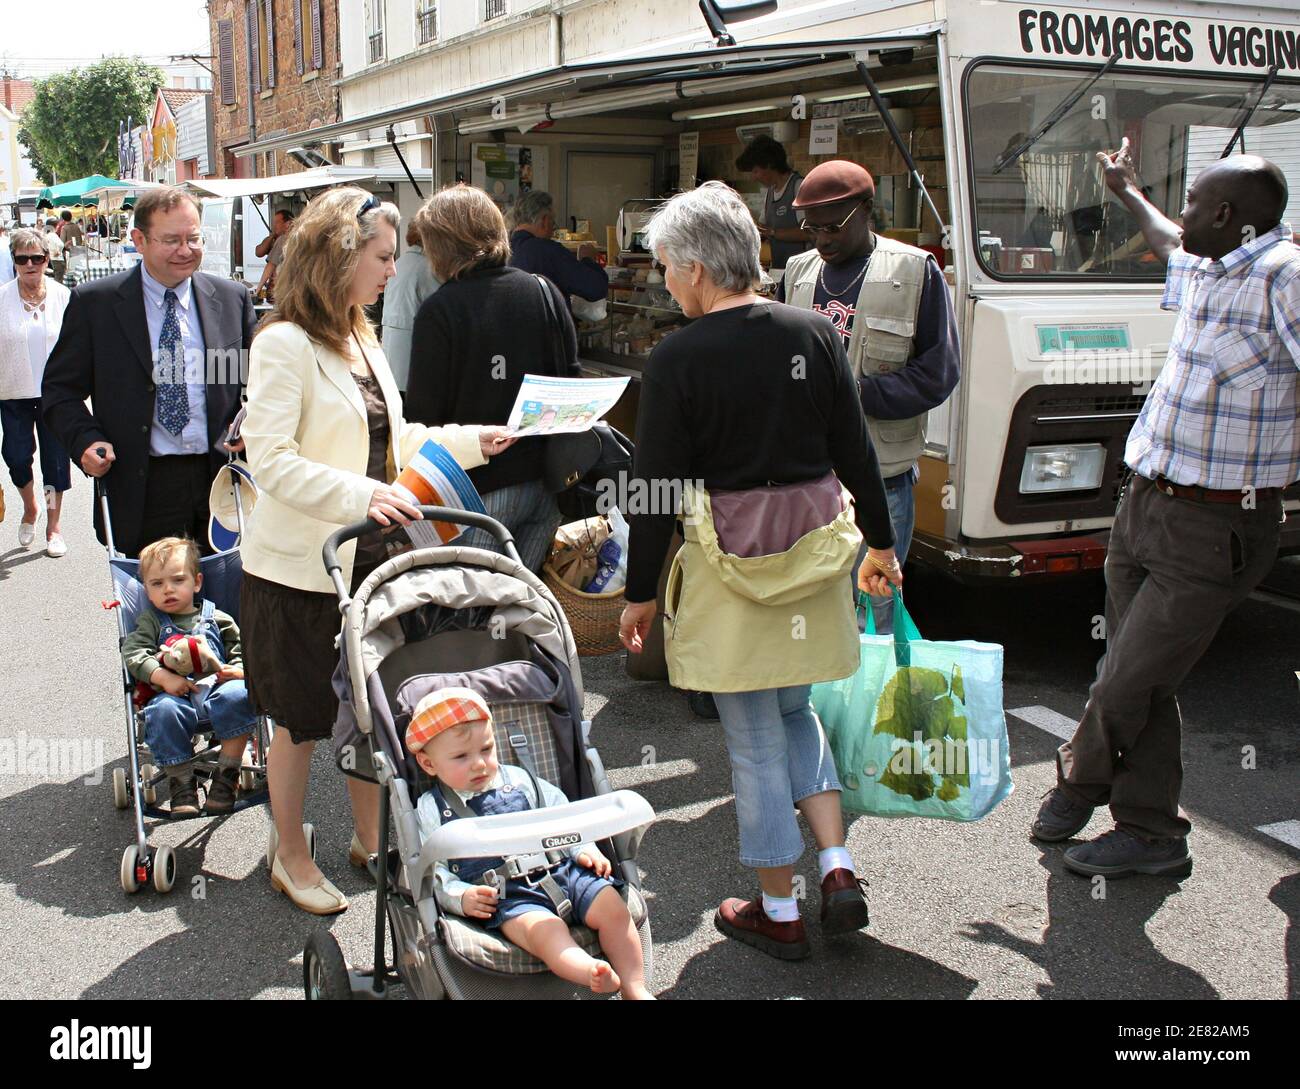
(289,655)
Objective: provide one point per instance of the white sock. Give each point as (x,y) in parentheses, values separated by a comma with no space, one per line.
(781,909)
(834,858)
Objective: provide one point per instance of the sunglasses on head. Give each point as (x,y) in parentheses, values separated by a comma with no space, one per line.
(34,258)
(370,205)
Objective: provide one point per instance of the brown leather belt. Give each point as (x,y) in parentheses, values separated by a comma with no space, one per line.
(1211,495)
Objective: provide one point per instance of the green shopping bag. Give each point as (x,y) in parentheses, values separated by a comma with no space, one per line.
(918,730)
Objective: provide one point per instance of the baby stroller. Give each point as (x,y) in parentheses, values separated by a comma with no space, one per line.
(136,786)
(465,616)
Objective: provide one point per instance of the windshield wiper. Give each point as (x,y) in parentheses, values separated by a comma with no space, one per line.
(1241,129)
(1009,157)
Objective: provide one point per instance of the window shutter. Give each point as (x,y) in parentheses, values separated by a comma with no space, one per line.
(226,60)
(317,47)
(297,36)
(254,47)
(269,18)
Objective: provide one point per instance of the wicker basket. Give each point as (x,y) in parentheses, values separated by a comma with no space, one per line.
(593,618)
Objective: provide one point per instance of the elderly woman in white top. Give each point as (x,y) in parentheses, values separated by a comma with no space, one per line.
(31,315)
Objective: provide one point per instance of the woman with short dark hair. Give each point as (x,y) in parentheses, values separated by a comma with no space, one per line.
(473,342)
(764,159)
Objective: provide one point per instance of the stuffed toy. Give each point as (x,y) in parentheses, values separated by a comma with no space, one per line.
(190,656)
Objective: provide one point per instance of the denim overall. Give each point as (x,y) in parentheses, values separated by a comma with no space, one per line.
(170,722)
(578,883)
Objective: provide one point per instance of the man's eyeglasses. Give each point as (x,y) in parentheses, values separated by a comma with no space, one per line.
(34,258)
(171,242)
(809,228)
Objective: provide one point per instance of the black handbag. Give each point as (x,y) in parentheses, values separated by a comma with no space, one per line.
(568,458)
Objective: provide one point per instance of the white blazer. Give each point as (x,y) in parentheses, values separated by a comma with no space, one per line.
(17,379)
(308,443)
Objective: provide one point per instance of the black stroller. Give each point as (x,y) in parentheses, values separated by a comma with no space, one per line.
(465,616)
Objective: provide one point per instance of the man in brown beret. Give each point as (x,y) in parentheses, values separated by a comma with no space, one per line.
(890,303)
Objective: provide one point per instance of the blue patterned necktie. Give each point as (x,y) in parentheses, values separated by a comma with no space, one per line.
(173,408)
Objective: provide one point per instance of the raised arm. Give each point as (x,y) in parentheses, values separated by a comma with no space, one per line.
(1163,235)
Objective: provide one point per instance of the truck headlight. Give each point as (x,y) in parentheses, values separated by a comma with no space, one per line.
(1062,468)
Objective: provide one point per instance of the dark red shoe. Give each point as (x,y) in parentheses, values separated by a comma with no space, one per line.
(746,921)
(844,902)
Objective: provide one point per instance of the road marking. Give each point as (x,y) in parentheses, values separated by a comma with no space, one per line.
(1286,831)
(1046,719)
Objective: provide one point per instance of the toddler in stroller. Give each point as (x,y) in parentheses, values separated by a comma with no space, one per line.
(177,706)
(451,736)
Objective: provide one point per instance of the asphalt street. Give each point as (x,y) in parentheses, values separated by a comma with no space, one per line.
(957,911)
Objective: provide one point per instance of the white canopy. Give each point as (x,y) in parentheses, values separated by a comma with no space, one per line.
(317,178)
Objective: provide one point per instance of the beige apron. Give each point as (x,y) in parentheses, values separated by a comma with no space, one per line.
(745,624)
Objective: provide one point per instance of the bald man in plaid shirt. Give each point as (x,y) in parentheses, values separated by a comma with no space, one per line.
(1197,528)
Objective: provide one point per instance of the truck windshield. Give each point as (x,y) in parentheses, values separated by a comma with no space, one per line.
(1049,215)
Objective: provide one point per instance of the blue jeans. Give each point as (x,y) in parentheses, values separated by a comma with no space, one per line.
(779,756)
(24,431)
(170,722)
(902,514)
(530,512)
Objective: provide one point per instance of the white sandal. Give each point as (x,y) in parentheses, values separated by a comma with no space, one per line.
(56,546)
(26,534)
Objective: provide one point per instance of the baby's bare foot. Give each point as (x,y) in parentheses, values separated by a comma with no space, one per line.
(603,980)
(634,992)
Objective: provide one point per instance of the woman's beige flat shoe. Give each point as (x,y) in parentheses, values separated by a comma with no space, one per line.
(320,899)
(357,854)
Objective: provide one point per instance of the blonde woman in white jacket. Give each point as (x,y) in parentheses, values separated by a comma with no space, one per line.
(325,439)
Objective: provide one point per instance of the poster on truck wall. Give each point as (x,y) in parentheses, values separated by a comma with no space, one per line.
(506,171)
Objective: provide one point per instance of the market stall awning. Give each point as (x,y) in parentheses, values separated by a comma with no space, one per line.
(303,180)
(120,194)
(605,86)
(68,194)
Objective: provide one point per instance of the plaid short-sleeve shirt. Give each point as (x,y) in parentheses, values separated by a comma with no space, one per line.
(1222,413)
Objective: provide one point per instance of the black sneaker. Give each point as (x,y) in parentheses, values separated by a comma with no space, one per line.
(184,795)
(703,704)
(1060,817)
(1118,853)
(222,790)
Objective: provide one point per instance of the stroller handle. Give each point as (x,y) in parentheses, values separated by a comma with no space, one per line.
(330,553)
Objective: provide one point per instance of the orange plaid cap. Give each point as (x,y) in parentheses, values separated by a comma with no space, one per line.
(441,710)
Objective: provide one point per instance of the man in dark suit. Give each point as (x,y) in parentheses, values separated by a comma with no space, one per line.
(161,352)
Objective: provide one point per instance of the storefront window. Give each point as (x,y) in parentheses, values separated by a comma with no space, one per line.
(1048,214)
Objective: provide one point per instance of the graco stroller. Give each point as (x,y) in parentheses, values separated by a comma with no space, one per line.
(136,786)
(454,615)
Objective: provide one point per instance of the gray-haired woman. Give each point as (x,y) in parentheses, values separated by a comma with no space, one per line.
(31,317)
(752,412)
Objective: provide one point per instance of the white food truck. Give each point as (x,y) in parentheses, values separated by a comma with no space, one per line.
(980,120)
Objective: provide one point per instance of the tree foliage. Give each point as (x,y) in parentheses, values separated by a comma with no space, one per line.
(70,126)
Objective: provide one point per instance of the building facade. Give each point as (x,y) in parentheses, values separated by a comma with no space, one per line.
(275,67)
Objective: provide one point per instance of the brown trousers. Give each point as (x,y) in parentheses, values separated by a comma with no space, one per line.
(1174,571)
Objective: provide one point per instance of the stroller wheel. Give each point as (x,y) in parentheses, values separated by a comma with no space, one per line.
(121,798)
(324,971)
(164,869)
(130,863)
(150,793)
(273,842)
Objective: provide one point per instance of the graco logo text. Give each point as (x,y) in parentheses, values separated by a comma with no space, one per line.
(103,1043)
(550,843)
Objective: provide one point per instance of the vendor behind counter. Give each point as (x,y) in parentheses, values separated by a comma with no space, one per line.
(765,160)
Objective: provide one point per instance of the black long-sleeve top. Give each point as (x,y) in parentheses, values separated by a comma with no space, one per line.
(473,341)
(755,395)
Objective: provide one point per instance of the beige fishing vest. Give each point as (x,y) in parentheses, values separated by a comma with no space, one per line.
(884,328)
